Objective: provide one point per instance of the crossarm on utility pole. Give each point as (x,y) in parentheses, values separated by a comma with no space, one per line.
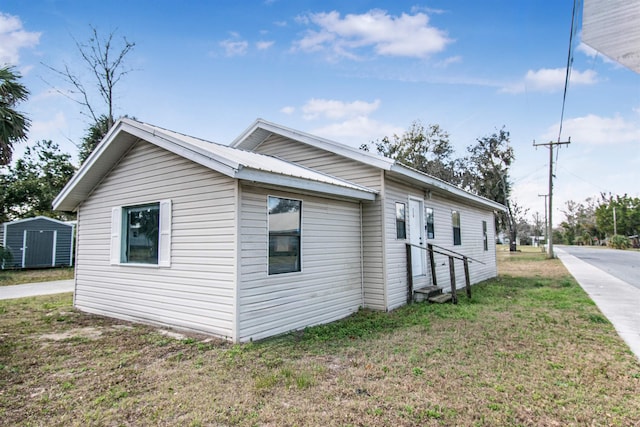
(551,145)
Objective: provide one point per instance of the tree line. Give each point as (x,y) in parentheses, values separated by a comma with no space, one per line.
(609,219)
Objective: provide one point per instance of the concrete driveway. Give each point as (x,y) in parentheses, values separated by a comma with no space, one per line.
(35,289)
(618,300)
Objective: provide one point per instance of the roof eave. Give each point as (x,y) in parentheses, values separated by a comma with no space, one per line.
(433,182)
(69,198)
(295,183)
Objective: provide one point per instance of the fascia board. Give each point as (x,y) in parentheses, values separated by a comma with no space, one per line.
(270,178)
(141,131)
(89,163)
(436,183)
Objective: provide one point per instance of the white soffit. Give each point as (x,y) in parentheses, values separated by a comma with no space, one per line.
(612,27)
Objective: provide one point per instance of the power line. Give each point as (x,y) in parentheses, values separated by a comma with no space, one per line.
(569,63)
(557,144)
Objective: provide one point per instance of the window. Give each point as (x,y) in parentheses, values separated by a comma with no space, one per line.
(284,235)
(429,226)
(455,220)
(401,221)
(141,234)
(484,235)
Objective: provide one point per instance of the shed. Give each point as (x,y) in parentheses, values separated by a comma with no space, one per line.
(37,242)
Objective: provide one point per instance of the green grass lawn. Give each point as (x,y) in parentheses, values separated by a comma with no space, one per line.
(18,277)
(530,348)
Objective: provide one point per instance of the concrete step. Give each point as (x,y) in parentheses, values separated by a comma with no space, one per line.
(423,294)
(440,299)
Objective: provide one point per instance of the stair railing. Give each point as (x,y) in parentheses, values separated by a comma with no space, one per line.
(452,255)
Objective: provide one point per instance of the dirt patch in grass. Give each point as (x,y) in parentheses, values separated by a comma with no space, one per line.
(88,332)
(523,351)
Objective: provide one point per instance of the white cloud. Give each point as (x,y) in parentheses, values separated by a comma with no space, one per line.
(448,61)
(13,38)
(234,47)
(264,45)
(357,130)
(335,110)
(404,35)
(288,110)
(550,80)
(597,130)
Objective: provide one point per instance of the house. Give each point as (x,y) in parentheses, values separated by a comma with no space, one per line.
(278,231)
(37,242)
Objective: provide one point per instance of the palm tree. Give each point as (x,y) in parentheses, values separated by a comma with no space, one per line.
(13,125)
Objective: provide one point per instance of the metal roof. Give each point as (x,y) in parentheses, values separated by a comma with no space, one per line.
(233,162)
(261,129)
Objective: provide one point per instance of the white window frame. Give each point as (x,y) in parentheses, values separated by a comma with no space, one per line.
(428,209)
(404,219)
(269,236)
(164,235)
(485,236)
(455,213)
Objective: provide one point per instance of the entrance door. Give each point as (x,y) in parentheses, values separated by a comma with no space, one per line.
(416,236)
(38,248)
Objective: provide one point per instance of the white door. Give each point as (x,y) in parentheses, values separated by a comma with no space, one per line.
(416,237)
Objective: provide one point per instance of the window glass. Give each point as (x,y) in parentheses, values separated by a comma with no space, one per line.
(429,227)
(284,235)
(141,233)
(455,220)
(484,235)
(401,222)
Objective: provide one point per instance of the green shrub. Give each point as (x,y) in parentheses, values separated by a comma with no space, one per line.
(619,242)
(5,255)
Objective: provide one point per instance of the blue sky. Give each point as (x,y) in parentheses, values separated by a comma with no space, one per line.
(348,71)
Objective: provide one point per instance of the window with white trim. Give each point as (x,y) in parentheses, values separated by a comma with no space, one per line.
(429,223)
(401,221)
(485,237)
(285,229)
(455,221)
(141,234)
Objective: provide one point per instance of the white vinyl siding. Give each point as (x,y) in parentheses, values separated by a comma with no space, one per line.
(472,243)
(197,291)
(356,172)
(329,285)
(373,252)
(322,161)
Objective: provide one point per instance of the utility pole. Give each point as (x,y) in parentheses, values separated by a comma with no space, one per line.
(615,222)
(546,226)
(551,146)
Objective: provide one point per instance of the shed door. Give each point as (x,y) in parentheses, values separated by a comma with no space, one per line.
(38,249)
(416,237)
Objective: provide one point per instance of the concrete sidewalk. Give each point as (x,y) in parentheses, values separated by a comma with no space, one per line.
(617,300)
(35,289)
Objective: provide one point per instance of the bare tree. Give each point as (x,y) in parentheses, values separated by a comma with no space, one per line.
(105,60)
